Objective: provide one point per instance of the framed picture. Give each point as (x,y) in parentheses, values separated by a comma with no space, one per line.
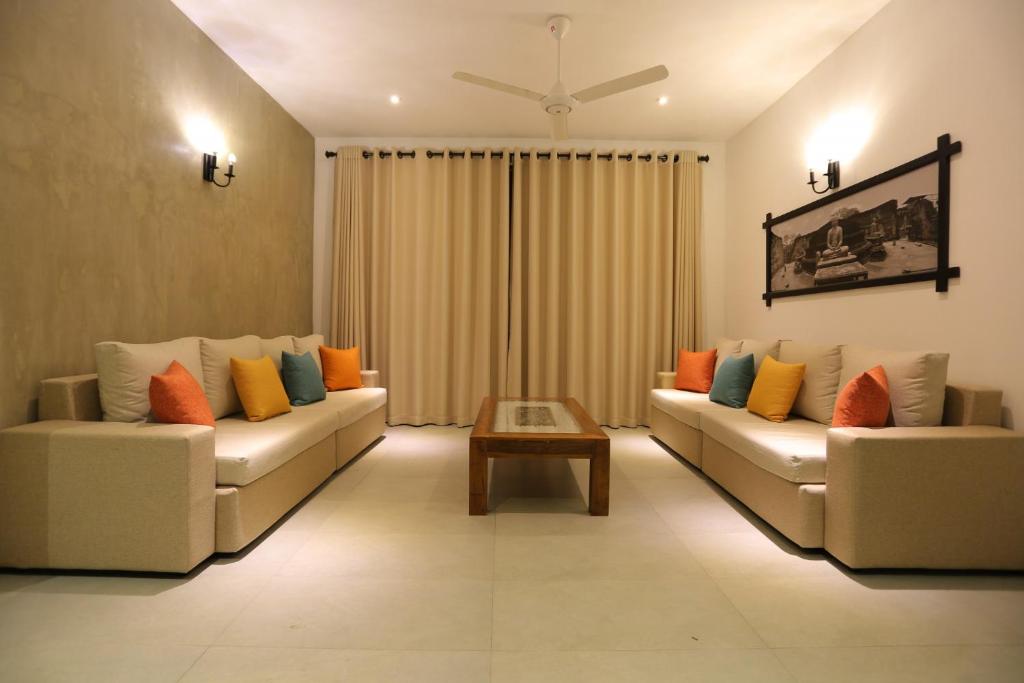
(889,229)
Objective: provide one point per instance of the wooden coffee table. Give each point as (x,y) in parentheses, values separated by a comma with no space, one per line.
(536,428)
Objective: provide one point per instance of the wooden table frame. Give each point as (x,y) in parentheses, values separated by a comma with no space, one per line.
(484,443)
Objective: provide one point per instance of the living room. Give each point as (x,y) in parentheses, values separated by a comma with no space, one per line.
(511,341)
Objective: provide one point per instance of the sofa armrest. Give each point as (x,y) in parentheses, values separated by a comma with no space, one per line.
(370,378)
(664,380)
(70,398)
(106,495)
(968,404)
(925,497)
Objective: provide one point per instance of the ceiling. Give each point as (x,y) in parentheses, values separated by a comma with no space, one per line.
(333,64)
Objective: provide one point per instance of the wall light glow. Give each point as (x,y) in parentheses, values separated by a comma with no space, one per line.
(840,138)
(205,136)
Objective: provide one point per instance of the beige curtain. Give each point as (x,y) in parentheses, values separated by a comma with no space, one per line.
(421,278)
(605,279)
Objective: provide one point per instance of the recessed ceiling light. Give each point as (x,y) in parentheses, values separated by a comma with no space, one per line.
(662,101)
(394,99)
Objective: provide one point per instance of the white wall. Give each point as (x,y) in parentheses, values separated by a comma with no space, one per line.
(922,68)
(714,207)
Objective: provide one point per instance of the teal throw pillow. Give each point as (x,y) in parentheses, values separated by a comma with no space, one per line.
(733,381)
(302,380)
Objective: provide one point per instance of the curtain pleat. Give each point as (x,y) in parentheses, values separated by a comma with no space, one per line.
(578,278)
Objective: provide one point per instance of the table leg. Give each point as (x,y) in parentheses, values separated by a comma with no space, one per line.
(477,479)
(599,479)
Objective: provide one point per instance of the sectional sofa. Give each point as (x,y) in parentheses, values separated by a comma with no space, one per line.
(95,485)
(941,489)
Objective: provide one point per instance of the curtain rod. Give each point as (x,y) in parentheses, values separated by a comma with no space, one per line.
(522,155)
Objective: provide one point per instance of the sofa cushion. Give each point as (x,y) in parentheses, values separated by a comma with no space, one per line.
(816,399)
(725,348)
(175,397)
(695,370)
(685,406)
(217,382)
(760,348)
(775,388)
(917,381)
(793,450)
(311,343)
(245,451)
(301,379)
(353,404)
(864,401)
(259,388)
(274,347)
(124,371)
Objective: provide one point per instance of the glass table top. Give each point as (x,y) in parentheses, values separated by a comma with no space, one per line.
(528,416)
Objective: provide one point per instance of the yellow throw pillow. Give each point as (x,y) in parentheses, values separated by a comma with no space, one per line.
(775,388)
(259,386)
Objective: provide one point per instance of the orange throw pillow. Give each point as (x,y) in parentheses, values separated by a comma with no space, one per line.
(176,398)
(864,401)
(341,368)
(695,370)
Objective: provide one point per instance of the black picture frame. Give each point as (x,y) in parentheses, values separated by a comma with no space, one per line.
(942,273)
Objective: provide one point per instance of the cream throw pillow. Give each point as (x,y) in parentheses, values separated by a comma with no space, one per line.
(217,382)
(760,348)
(816,399)
(124,371)
(725,348)
(917,381)
(274,347)
(311,343)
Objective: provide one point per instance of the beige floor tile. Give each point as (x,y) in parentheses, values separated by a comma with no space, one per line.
(936,664)
(15,582)
(695,507)
(184,611)
(103,661)
(693,666)
(841,610)
(559,517)
(639,457)
(677,614)
(342,612)
(653,556)
(396,556)
(308,515)
(265,556)
(755,553)
(368,517)
(283,665)
(410,490)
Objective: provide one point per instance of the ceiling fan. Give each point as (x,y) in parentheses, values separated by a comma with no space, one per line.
(558,103)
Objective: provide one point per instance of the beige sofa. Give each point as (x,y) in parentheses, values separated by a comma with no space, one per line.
(81,492)
(943,493)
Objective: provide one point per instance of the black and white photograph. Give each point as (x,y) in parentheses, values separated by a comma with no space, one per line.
(887,230)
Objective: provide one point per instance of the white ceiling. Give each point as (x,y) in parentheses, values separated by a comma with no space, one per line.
(332,64)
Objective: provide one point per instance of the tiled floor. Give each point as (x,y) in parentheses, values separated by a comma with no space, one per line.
(382,576)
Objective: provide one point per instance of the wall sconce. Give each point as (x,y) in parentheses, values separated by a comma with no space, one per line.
(831,175)
(210,165)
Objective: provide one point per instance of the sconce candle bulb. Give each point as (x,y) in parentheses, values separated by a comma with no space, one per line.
(210,165)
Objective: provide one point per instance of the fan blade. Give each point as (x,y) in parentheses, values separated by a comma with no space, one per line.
(497,85)
(559,126)
(655,73)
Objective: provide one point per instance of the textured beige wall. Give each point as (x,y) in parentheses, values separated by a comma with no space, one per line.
(107,230)
(920,68)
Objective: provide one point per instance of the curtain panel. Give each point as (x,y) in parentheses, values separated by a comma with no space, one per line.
(582,279)
(420,280)
(605,279)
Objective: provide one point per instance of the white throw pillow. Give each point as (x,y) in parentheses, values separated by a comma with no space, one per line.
(725,348)
(311,343)
(217,383)
(124,372)
(274,347)
(760,348)
(917,381)
(816,399)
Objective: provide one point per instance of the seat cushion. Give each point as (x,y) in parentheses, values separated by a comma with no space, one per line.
(245,451)
(217,381)
(124,372)
(685,406)
(353,404)
(816,399)
(793,450)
